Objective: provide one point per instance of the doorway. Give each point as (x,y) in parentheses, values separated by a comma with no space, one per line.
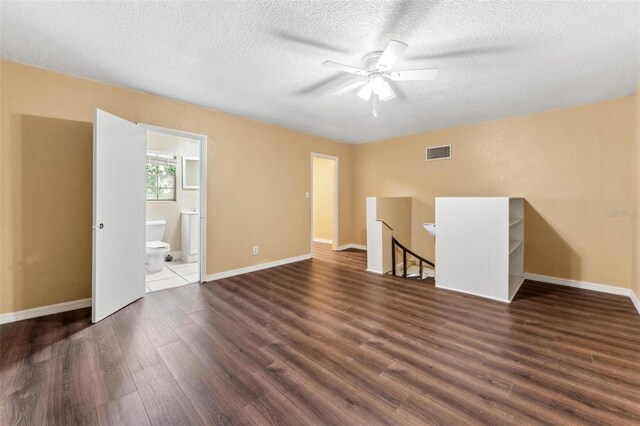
(324,200)
(172,191)
(188,255)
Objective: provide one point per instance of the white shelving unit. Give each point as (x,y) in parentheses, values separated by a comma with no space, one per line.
(516,245)
(480,245)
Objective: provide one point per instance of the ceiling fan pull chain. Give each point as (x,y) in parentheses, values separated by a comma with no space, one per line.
(374,101)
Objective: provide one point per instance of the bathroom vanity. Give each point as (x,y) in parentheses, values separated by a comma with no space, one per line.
(480,245)
(190,230)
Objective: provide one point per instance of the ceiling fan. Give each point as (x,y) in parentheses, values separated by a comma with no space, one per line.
(376,67)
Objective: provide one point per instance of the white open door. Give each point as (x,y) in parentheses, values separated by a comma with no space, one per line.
(119,149)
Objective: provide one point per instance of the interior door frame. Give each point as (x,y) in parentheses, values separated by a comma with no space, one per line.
(203,140)
(336,198)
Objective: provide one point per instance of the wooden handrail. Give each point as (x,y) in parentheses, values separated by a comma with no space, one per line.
(384,223)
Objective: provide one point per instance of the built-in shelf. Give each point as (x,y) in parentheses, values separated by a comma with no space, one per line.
(516,246)
(513,245)
(514,284)
(480,245)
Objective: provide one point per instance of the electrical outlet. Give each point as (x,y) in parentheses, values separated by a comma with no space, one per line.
(255,250)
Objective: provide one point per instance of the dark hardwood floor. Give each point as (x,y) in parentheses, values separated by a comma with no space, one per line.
(324,342)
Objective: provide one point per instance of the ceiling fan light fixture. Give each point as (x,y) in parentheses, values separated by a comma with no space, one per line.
(365,92)
(377,82)
(380,87)
(384,91)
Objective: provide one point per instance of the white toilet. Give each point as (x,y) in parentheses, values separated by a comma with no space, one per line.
(157,249)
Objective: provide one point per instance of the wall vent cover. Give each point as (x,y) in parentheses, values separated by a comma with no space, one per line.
(438,153)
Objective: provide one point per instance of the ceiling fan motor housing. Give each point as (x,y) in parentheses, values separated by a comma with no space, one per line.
(370,60)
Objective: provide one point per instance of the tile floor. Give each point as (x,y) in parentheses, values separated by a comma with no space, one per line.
(174,274)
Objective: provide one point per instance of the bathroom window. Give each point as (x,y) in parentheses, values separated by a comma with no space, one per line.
(161,177)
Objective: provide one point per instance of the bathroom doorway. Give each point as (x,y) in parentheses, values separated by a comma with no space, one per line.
(324,200)
(174,191)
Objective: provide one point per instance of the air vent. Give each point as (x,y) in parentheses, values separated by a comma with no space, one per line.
(438,152)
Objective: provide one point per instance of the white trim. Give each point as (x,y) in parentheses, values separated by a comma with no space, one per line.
(374,272)
(578,284)
(202,260)
(603,288)
(336,198)
(258,267)
(635,300)
(45,310)
(172,132)
(322,240)
(352,246)
(457,290)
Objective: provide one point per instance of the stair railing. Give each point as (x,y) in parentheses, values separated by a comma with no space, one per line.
(405,250)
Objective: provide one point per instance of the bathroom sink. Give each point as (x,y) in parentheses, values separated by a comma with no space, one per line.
(192,212)
(431,228)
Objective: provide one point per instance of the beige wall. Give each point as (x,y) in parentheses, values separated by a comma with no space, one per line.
(186,199)
(573,167)
(635,249)
(396,212)
(257,178)
(323,196)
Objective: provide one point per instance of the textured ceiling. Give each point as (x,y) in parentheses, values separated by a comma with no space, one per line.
(262,59)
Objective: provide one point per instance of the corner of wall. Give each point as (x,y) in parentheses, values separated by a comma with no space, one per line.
(635,184)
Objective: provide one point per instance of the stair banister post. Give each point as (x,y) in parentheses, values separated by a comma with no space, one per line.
(393,256)
(404,262)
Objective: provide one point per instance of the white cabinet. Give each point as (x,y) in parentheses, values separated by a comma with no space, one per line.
(480,245)
(190,230)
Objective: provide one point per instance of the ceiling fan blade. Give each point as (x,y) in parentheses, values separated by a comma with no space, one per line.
(349,88)
(407,75)
(391,54)
(344,68)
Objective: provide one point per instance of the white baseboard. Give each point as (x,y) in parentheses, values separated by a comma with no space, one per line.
(253,268)
(45,310)
(352,246)
(444,287)
(603,288)
(322,240)
(568,283)
(636,301)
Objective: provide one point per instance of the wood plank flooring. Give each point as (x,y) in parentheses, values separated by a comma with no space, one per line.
(324,342)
